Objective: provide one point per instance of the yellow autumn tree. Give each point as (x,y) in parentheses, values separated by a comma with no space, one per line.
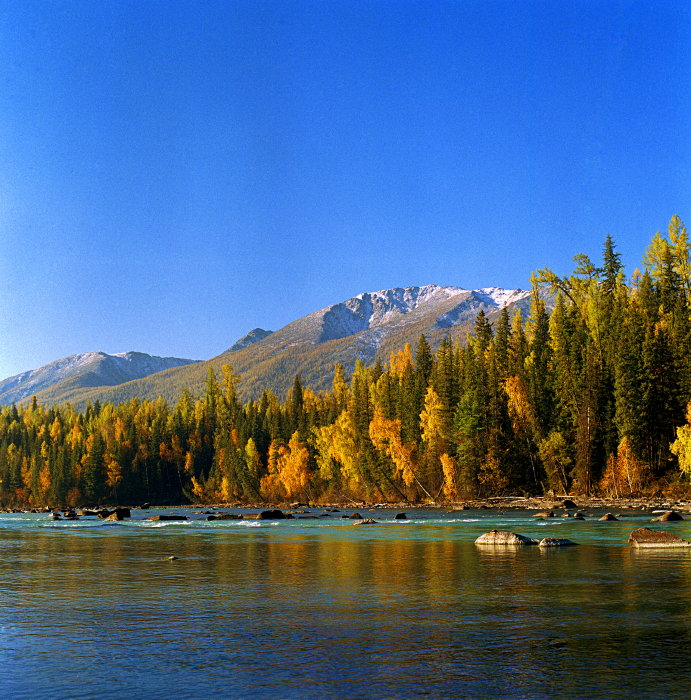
(625,474)
(400,361)
(113,473)
(337,450)
(450,472)
(434,430)
(252,458)
(288,474)
(681,447)
(386,437)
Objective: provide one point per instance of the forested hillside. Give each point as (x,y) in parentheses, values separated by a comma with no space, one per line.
(588,399)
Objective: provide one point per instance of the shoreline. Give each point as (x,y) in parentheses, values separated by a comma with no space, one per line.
(563,504)
(492,503)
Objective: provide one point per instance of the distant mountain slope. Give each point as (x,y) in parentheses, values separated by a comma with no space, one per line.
(77,372)
(252,337)
(365,327)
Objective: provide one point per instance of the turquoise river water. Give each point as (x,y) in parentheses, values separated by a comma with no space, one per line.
(326,609)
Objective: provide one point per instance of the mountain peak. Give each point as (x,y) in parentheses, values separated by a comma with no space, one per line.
(254,336)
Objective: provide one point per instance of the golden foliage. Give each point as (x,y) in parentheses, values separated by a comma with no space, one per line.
(491,475)
(401,361)
(337,444)
(386,437)
(681,447)
(449,469)
(625,474)
(288,469)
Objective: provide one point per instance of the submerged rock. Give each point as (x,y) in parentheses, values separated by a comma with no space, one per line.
(579,516)
(555,542)
(224,516)
(495,537)
(365,521)
(544,514)
(159,518)
(644,537)
(668,516)
(353,516)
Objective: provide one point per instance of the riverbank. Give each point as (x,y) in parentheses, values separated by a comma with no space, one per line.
(560,504)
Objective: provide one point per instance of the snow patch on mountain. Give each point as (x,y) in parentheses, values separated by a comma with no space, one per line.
(375,309)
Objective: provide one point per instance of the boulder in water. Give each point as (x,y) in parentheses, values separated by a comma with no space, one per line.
(160,518)
(544,514)
(400,516)
(365,521)
(644,537)
(608,517)
(668,516)
(494,537)
(269,515)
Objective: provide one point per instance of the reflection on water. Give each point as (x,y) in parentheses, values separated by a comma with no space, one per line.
(312,612)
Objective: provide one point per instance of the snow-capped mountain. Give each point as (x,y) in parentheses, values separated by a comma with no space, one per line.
(392,309)
(365,327)
(88,369)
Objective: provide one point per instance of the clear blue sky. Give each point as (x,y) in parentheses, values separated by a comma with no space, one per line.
(174,174)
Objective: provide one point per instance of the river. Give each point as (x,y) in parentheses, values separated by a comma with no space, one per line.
(323,608)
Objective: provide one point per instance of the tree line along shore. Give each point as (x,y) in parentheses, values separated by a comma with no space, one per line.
(589,396)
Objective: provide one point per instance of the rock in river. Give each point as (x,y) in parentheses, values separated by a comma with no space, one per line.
(158,518)
(269,515)
(669,516)
(608,517)
(495,537)
(644,537)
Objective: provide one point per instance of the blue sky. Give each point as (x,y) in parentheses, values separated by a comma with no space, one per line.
(174,174)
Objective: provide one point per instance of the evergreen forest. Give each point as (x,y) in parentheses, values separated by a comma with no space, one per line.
(588,395)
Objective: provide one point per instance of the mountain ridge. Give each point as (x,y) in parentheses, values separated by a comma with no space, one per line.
(90,369)
(364,327)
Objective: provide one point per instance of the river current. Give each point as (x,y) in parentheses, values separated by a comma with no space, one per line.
(323,608)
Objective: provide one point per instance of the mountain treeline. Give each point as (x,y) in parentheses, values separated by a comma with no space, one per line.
(588,399)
